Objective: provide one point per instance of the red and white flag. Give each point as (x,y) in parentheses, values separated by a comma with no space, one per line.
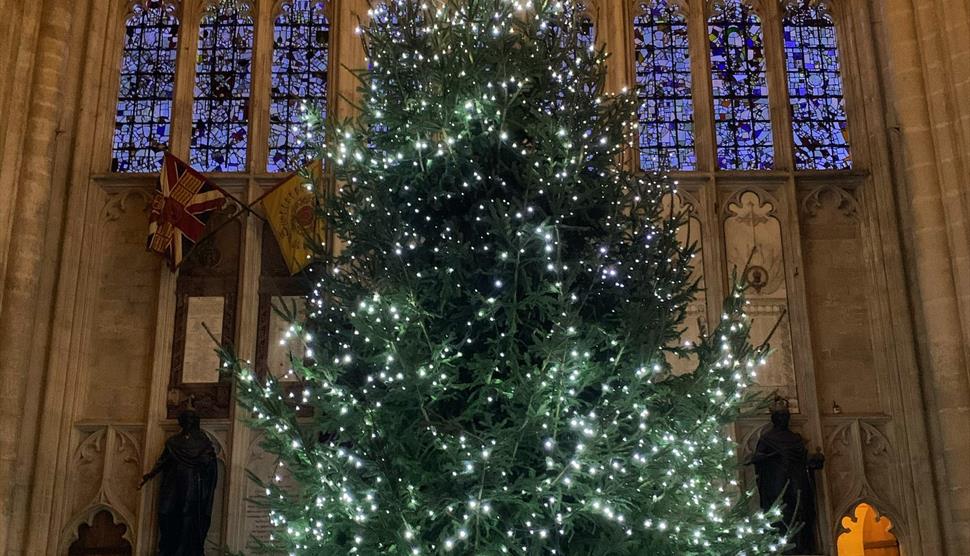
(182,206)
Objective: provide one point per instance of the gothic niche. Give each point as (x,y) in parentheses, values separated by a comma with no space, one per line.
(752,235)
(838,282)
(689,233)
(103,475)
(101,536)
(867,533)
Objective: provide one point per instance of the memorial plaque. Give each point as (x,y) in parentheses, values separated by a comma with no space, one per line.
(201,362)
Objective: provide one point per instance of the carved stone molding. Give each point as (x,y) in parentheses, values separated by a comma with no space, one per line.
(238,8)
(87,518)
(860,463)
(681,7)
(758,6)
(117,204)
(104,470)
(138,7)
(318,5)
(843,199)
(796,4)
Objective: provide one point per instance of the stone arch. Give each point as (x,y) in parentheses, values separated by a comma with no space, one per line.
(325,6)
(245,8)
(864,530)
(92,518)
(135,8)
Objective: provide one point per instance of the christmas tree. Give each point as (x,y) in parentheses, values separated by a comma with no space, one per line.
(484,367)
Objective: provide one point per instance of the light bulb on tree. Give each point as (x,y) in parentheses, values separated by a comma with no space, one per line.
(485,365)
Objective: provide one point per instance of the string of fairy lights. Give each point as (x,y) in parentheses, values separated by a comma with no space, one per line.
(496,380)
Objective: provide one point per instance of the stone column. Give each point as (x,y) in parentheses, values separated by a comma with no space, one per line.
(18,42)
(41,84)
(928,78)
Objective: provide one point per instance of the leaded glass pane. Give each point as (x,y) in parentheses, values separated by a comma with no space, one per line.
(587,33)
(220,114)
(143,116)
(300,62)
(663,88)
(586,40)
(580,34)
(815,90)
(742,119)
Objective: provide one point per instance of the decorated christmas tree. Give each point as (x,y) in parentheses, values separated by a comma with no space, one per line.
(484,367)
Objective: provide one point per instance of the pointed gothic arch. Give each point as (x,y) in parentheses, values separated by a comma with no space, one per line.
(866,531)
(299,75)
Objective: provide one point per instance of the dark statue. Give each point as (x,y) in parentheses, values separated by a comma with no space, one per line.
(786,473)
(189,471)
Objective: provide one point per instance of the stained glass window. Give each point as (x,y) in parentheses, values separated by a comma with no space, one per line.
(300,63)
(663,87)
(587,32)
(573,29)
(815,89)
(742,119)
(143,117)
(220,115)
(585,39)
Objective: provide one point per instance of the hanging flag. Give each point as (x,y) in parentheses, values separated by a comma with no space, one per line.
(291,211)
(182,205)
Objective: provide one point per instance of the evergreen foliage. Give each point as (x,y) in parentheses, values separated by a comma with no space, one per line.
(486,367)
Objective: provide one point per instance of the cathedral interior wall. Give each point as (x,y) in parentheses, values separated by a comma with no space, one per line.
(867,274)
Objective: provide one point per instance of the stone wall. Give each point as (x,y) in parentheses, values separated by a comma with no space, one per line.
(927,78)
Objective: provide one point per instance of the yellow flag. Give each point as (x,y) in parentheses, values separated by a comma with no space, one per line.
(291,211)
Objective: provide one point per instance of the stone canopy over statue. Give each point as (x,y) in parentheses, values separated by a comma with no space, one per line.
(785,473)
(189,471)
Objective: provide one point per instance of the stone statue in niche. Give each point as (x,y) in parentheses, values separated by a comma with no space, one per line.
(786,473)
(189,470)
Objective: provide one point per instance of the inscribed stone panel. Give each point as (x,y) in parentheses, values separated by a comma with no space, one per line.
(753,240)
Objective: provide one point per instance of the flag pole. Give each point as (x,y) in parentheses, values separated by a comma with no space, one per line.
(206,237)
(242,205)
(228,221)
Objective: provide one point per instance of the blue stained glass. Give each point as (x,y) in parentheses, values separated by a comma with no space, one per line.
(587,33)
(582,29)
(585,40)
(815,90)
(220,114)
(742,119)
(143,116)
(575,30)
(666,113)
(300,64)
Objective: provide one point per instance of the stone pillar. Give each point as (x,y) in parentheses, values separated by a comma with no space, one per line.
(928,85)
(18,42)
(41,83)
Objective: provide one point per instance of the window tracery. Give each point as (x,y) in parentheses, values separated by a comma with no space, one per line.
(742,117)
(815,89)
(301,61)
(662,68)
(663,81)
(143,112)
(223,82)
(582,35)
